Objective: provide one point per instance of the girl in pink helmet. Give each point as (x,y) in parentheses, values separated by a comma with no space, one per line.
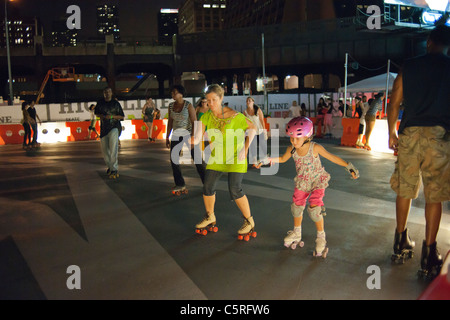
(311,181)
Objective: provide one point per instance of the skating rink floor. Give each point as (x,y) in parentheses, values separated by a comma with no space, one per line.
(67,232)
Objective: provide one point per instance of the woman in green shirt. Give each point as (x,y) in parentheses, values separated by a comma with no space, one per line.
(229,145)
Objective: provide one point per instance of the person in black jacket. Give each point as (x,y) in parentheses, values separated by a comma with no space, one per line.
(110,113)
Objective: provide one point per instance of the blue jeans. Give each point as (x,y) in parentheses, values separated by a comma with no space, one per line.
(234,183)
(110,149)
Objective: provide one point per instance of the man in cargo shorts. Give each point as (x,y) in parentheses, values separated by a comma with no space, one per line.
(423,145)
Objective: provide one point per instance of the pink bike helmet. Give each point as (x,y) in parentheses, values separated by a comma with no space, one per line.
(300,127)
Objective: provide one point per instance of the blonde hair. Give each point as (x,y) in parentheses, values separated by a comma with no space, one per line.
(217,89)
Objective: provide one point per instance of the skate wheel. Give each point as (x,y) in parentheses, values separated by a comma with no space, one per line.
(301,244)
(293,246)
(215,229)
(178,193)
(186,191)
(240,237)
(254,234)
(197,231)
(247,237)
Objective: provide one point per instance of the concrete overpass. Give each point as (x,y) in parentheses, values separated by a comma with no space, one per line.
(290,49)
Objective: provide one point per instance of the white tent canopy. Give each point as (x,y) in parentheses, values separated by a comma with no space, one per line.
(373,84)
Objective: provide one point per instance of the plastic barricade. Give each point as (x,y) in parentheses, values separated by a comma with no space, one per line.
(10,134)
(141,129)
(159,128)
(79,130)
(317,127)
(350,131)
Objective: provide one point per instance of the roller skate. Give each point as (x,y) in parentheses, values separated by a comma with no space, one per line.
(179,190)
(431,262)
(294,239)
(207,224)
(36,145)
(359,145)
(113,175)
(321,246)
(403,247)
(247,230)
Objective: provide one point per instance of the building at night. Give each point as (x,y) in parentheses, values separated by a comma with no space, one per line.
(202,15)
(167,25)
(21,32)
(108,21)
(61,36)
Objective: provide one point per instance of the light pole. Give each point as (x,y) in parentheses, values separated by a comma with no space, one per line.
(8,55)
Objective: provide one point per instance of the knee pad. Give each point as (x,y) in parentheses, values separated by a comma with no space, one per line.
(315,213)
(297,211)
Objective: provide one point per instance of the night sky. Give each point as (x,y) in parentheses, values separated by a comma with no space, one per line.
(138,18)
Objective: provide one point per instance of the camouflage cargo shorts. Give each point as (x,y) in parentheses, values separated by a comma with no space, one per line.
(423,156)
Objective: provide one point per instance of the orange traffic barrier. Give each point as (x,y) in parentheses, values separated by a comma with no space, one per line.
(350,131)
(79,130)
(159,129)
(317,127)
(141,129)
(11,134)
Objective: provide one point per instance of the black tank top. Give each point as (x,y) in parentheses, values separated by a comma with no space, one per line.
(426,92)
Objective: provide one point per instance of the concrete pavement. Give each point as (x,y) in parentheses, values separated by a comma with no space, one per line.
(132,239)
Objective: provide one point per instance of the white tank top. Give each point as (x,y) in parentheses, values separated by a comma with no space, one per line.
(180,119)
(256,122)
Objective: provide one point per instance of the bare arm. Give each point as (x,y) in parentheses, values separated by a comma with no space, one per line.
(327,155)
(393,111)
(169,129)
(192,116)
(338,160)
(261,118)
(285,157)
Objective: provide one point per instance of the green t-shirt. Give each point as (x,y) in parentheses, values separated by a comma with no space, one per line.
(227,138)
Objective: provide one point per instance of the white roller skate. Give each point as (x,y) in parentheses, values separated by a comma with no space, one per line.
(321,246)
(247,230)
(293,239)
(207,224)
